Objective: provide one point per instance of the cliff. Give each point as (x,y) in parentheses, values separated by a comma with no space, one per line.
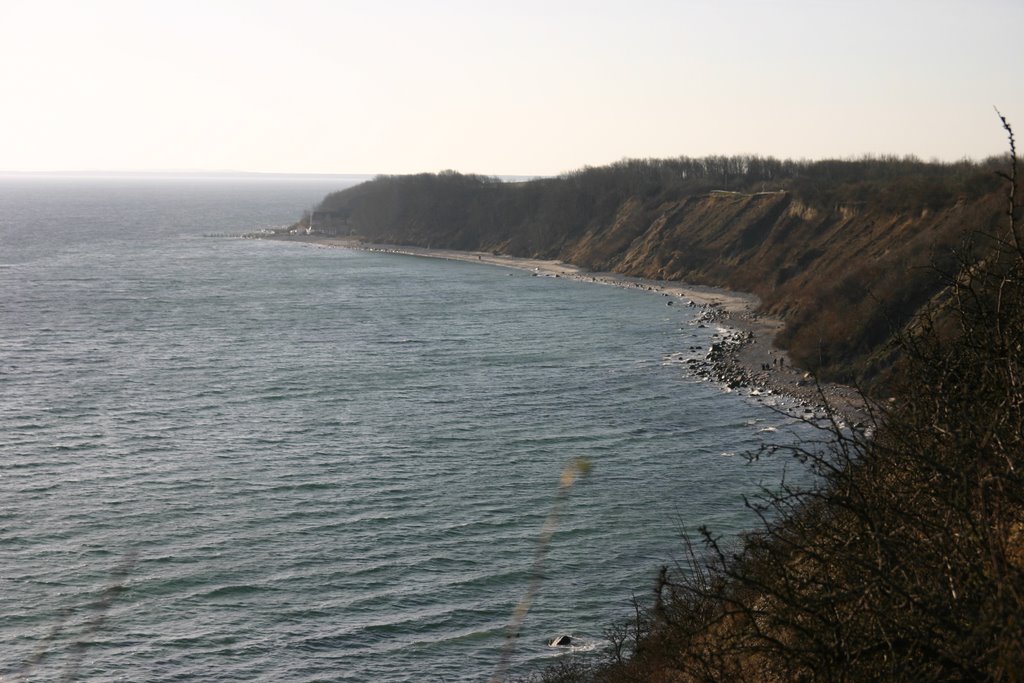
(844,252)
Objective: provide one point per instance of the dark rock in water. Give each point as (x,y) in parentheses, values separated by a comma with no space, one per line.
(560,641)
(668,303)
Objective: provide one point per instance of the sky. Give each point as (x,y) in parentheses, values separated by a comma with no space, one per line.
(516,88)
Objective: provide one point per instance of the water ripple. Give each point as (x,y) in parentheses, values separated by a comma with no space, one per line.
(237,460)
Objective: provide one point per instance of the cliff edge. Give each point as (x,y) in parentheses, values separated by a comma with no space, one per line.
(845,252)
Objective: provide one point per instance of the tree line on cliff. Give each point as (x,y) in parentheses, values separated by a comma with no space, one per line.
(843,250)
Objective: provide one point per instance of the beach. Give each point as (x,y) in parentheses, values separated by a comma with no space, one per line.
(745,360)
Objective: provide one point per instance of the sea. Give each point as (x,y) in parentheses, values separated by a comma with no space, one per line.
(228,459)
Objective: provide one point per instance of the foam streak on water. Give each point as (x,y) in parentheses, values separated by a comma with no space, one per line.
(236,460)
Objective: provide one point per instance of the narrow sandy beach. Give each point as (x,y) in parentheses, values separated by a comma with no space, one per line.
(745,360)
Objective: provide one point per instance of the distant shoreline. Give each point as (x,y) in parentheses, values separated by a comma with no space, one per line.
(744,351)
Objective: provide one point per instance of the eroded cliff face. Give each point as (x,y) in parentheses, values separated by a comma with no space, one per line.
(843,280)
(843,277)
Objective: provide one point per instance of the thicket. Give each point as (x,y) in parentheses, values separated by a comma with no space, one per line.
(906,562)
(569,200)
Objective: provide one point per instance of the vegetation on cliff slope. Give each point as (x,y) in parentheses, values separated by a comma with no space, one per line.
(841,249)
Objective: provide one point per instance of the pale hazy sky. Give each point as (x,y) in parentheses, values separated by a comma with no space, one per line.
(379,86)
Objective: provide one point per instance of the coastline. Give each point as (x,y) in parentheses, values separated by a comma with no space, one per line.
(744,359)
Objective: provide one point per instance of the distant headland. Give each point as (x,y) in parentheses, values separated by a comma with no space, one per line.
(842,251)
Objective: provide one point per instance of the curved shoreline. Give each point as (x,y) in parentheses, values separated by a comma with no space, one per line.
(744,359)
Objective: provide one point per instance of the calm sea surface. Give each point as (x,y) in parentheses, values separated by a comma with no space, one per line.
(240,460)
